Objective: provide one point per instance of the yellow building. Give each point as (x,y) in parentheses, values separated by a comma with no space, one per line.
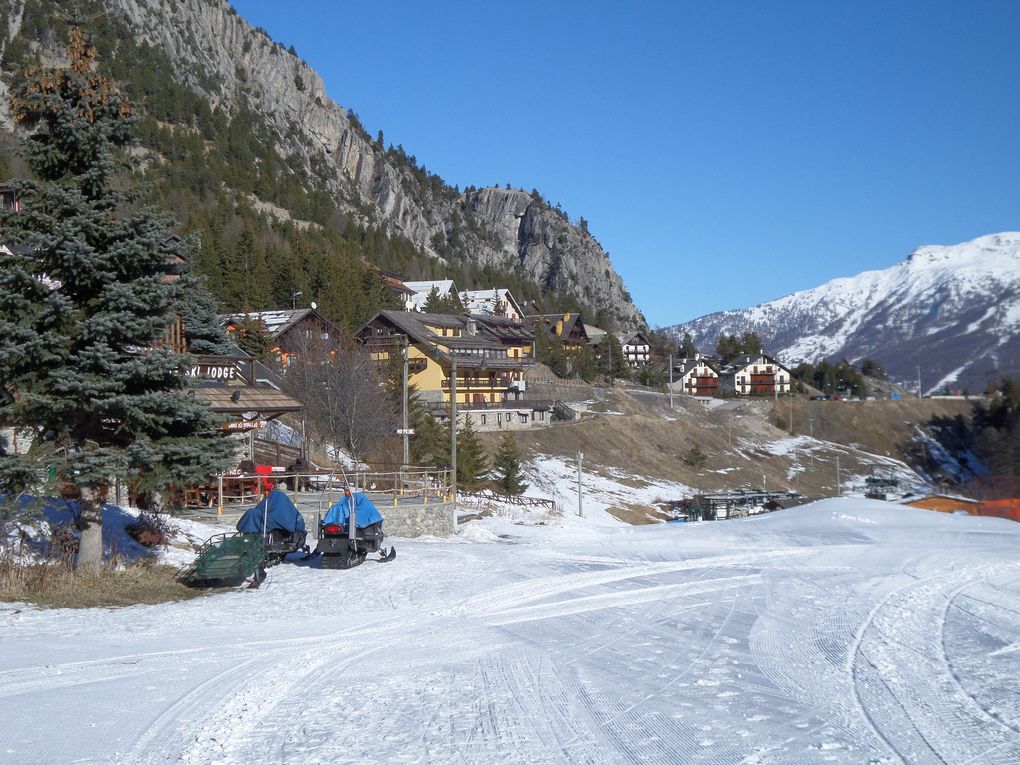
(491,353)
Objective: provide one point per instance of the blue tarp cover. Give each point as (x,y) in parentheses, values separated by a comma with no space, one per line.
(278,511)
(365,513)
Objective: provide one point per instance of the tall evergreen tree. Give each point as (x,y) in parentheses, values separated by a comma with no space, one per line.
(611,361)
(472,461)
(82,314)
(687,349)
(507,467)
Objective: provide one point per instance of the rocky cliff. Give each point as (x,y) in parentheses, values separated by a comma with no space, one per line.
(235,66)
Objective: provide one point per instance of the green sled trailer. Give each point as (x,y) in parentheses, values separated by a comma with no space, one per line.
(227,560)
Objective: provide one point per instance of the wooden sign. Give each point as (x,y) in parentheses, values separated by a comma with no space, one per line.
(241,425)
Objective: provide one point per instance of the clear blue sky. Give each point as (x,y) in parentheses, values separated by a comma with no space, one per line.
(724,153)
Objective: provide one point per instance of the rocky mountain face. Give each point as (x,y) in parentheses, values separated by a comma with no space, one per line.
(235,66)
(952,311)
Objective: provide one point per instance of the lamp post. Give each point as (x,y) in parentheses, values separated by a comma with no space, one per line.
(671,382)
(580,509)
(293,300)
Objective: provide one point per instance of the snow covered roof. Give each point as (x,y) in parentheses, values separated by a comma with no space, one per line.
(422,289)
(484,301)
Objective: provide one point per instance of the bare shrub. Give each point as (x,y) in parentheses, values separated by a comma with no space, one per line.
(153,529)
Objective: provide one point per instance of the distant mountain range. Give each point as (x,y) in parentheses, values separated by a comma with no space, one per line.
(953,311)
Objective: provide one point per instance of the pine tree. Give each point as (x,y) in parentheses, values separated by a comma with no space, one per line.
(687,349)
(82,314)
(611,361)
(507,467)
(472,461)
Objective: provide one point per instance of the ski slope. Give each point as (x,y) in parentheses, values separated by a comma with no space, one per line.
(847,631)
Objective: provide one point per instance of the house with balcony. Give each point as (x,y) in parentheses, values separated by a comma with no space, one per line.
(697,376)
(491,355)
(637,350)
(758,375)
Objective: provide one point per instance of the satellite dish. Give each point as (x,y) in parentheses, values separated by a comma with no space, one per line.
(312,304)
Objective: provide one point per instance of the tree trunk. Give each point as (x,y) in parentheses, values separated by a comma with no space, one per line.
(90,546)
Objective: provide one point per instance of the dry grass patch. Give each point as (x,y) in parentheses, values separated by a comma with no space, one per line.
(56,585)
(638,515)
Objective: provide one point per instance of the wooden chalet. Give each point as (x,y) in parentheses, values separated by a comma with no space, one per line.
(288,331)
(491,353)
(568,328)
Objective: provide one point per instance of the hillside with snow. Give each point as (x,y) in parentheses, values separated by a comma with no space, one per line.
(954,311)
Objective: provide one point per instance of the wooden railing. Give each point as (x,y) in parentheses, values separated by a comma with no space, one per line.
(510,499)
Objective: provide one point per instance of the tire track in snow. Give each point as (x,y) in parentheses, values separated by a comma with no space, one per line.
(512,596)
(158,741)
(624,598)
(903,684)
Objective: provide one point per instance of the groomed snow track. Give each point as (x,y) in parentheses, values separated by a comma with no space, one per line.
(843,632)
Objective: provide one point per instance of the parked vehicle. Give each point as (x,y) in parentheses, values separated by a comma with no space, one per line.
(266,534)
(350,530)
(277,519)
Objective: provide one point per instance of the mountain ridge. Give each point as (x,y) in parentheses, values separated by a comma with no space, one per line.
(237,68)
(952,310)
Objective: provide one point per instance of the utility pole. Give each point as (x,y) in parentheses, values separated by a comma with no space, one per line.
(671,381)
(839,488)
(811,423)
(403,409)
(580,509)
(791,413)
(919,381)
(453,426)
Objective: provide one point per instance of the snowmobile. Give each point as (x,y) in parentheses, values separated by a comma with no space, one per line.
(349,531)
(277,519)
(266,534)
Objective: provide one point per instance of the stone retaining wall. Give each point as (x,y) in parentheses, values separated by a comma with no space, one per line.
(414,520)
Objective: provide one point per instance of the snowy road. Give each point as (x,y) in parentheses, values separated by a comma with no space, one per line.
(846,632)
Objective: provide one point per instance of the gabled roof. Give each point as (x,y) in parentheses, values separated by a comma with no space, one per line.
(504,328)
(686,365)
(491,335)
(746,360)
(484,301)
(417,327)
(422,289)
(595,334)
(278,323)
(637,338)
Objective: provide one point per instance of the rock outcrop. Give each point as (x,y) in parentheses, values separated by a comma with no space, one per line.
(235,66)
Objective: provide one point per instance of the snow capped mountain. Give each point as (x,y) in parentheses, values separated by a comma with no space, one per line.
(953,311)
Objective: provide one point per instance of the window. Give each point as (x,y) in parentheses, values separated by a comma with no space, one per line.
(522,418)
(483,419)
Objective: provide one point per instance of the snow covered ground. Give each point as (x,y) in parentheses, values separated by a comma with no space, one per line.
(847,631)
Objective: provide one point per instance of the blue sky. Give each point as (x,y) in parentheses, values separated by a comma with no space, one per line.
(724,153)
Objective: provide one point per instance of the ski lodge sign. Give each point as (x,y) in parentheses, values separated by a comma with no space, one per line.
(235,370)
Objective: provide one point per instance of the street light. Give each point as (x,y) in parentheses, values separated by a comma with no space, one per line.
(293,299)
